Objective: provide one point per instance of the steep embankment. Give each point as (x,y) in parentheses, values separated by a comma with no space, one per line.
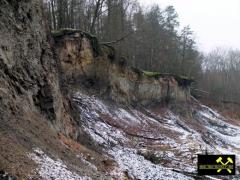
(147,142)
(89,135)
(82,58)
(156,142)
(32,109)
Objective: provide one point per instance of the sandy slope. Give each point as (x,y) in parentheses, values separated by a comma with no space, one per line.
(148,143)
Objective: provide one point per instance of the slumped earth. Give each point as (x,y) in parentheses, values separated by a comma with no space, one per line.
(148,143)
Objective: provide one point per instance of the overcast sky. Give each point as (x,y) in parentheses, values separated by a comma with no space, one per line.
(215,22)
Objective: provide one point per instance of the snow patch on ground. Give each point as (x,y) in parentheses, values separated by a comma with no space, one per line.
(217,125)
(50,169)
(140,168)
(126,116)
(105,134)
(143,118)
(90,108)
(173,123)
(220,136)
(94,104)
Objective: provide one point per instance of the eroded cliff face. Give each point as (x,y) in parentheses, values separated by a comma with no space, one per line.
(123,84)
(39,133)
(41,137)
(29,78)
(32,109)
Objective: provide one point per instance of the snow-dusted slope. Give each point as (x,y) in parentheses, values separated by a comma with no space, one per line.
(151,143)
(53,169)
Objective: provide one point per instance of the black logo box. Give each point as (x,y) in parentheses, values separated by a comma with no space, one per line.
(212,161)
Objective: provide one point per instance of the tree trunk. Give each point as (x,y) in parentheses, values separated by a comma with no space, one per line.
(53,14)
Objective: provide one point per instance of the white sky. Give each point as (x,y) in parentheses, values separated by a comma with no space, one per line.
(215,22)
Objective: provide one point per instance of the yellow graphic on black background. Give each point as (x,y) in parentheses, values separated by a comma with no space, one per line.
(229,160)
(216,164)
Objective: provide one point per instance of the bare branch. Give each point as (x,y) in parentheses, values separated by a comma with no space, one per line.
(116,41)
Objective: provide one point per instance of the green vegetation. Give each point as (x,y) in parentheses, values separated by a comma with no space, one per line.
(182,80)
(151,74)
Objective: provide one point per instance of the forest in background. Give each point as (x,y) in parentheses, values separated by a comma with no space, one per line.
(151,39)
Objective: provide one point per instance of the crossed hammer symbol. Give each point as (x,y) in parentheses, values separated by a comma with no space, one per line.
(219,160)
